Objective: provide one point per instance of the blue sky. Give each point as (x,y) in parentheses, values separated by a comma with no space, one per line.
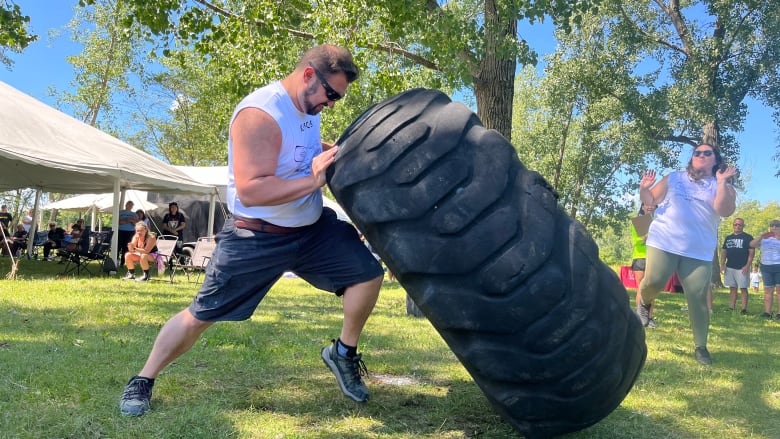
(43,66)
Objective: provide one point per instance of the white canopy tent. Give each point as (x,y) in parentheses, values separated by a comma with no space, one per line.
(45,149)
(100,203)
(217,176)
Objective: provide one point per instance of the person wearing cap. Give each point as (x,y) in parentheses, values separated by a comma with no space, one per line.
(174,221)
(127,220)
(769,243)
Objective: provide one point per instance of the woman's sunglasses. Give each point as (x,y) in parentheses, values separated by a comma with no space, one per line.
(705,153)
(330,93)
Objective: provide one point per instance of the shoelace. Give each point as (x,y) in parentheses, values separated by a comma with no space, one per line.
(137,389)
(358,368)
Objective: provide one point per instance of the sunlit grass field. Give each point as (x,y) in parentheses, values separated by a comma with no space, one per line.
(68,345)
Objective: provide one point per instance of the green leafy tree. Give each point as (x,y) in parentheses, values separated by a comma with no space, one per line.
(182,111)
(707,57)
(101,70)
(439,44)
(573,127)
(14,33)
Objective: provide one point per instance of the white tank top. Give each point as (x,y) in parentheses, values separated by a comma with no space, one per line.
(685,223)
(300,144)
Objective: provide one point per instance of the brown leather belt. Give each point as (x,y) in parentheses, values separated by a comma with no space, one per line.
(258,225)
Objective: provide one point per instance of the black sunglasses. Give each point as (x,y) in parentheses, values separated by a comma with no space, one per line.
(705,153)
(330,93)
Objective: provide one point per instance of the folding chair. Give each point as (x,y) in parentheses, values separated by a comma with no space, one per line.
(198,260)
(97,249)
(166,248)
(40,238)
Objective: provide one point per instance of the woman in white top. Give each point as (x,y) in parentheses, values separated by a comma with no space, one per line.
(684,233)
(769,243)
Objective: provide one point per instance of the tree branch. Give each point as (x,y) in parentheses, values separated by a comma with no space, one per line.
(464,55)
(649,36)
(388,48)
(677,139)
(728,43)
(679,25)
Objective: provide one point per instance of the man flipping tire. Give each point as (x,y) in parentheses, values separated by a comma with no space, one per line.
(276,165)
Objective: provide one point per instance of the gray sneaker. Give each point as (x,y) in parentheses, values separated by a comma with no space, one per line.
(347,372)
(643,311)
(136,396)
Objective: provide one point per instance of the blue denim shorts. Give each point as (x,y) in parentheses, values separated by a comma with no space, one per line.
(770,274)
(328,254)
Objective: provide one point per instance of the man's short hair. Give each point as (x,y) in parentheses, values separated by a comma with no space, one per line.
(330,60)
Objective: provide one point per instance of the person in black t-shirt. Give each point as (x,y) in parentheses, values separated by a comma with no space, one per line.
(174,222)
(736,257)
(5,219)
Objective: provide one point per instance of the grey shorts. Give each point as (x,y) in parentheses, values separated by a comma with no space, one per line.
(328,254)
(638,264)
(733,278)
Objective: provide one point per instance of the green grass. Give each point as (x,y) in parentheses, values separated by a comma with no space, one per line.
(67,347)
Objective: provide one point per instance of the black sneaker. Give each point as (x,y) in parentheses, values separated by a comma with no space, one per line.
(643,311)
(136,396)
(766,315)
(703,356)
(743,312)
(347,372)
(129,276)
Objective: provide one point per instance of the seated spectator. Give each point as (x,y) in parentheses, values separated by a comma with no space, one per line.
(141,249)
(18,241)
(56,236)
(73,238)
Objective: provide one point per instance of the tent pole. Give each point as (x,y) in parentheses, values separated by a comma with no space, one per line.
(115,221)
(34,225)
(212,206)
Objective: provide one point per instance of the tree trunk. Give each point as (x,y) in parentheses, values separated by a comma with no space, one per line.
(495,81)
(711,134)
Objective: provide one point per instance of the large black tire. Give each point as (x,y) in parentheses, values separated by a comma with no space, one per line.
(513,285)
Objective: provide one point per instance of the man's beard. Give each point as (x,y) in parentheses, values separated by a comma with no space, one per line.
(309,107)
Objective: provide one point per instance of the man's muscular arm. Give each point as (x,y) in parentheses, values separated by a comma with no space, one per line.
(257,141)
